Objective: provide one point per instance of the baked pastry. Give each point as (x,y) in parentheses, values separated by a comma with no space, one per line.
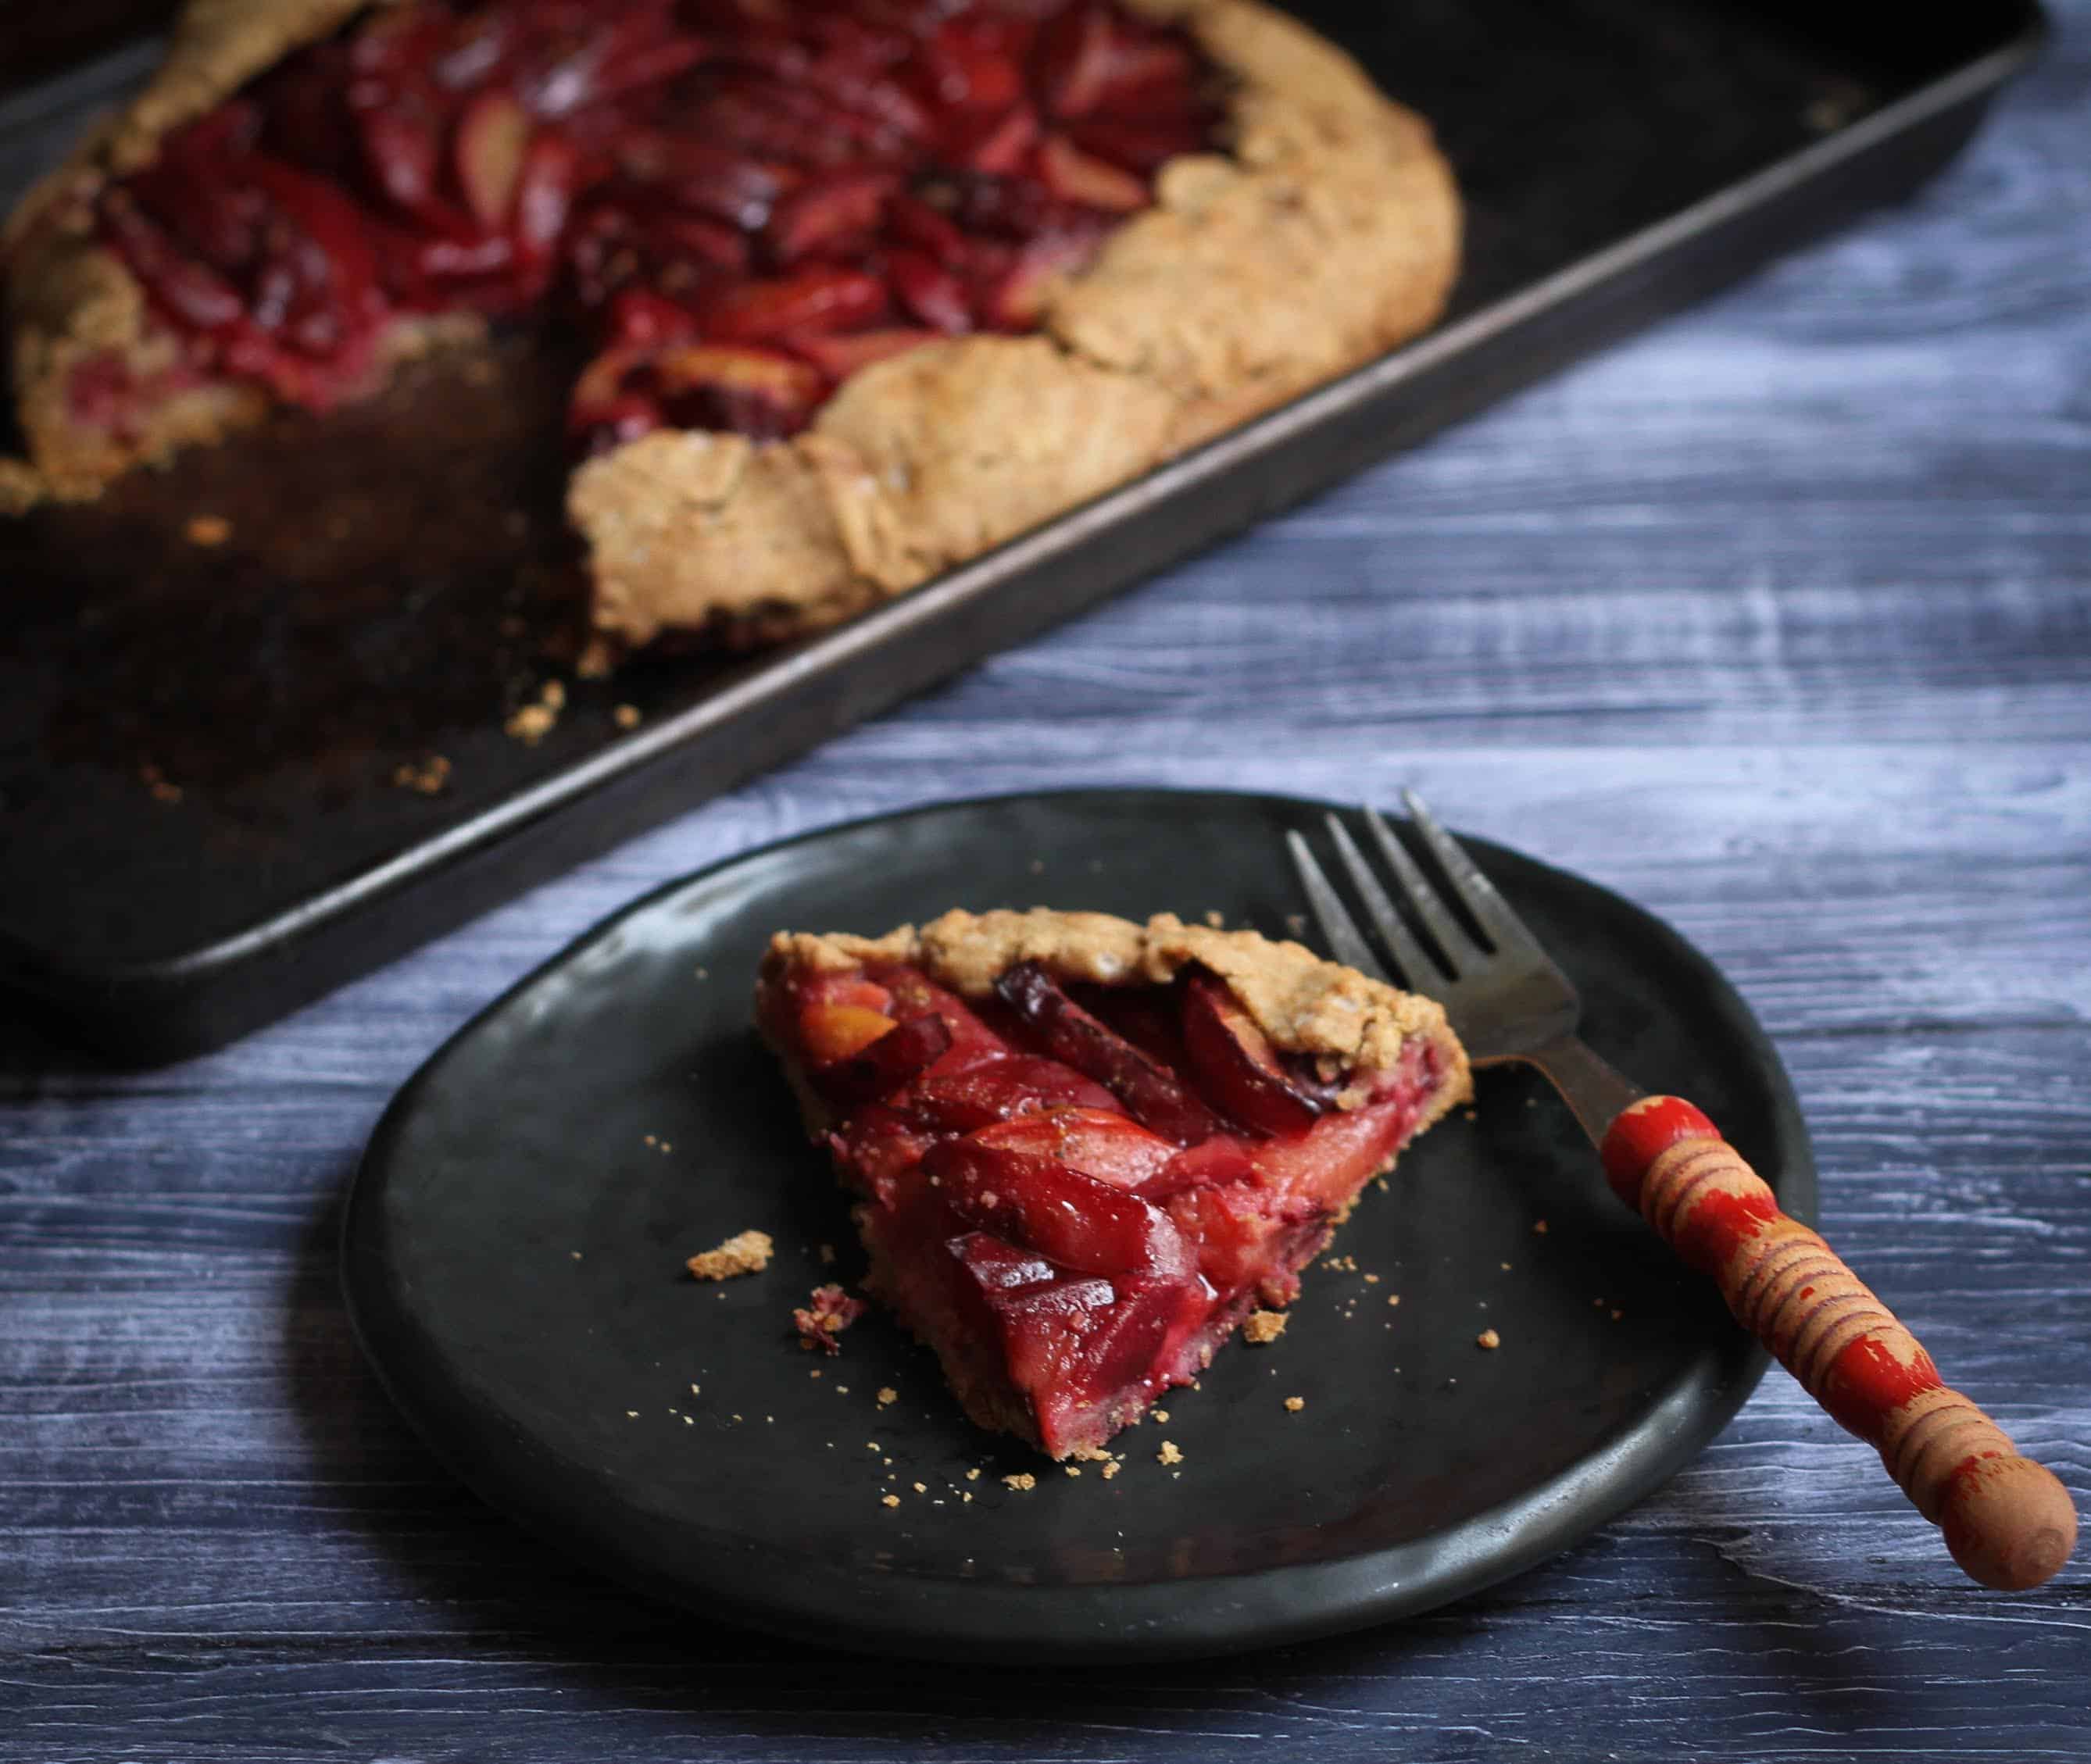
(870,286)
(1085,1150)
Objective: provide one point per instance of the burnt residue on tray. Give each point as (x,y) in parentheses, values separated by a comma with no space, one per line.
(239,680)
(326,597)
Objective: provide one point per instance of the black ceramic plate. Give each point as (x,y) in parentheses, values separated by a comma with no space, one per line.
(514,1246)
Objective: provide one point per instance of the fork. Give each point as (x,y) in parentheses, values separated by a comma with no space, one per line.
(2007,1520)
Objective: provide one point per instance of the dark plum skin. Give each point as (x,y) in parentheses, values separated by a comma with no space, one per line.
(833,182)
(1153,1094)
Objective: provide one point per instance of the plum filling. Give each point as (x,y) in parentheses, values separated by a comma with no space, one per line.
(737,203)
(1074,1218)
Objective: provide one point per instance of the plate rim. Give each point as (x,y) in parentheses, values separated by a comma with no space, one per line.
(895,1613)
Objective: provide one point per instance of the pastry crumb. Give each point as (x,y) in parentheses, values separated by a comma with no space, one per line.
(1090,1454)
(831,1311)
(827,1252)
(1215,918)
(921,1488)
(1022,1481)
(627,716)
(1394,1298)
(1072,1469)
(1161,1415)
(1262,1326)
(1539,1228)
(1617,1314)
(1506,1267)
(890,1500)
(1109,1470)
(533,722)
(747,1252)
(208,530)
(1168,1454)
(1487,1338)
(972,1475)
(1372,1279)
(530,725)
(1295,1404)
(887,1394)
(428,776)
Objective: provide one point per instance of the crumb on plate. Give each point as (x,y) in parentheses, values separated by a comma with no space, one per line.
(746,1252)
(831,1311)
(1262,1326)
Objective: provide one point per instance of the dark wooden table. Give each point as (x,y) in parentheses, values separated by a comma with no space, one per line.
(1777,619)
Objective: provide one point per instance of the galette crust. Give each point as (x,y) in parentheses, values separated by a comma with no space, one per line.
(1302,1003)
(1329,234)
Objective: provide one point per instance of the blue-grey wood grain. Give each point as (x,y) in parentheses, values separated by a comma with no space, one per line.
(1778,618)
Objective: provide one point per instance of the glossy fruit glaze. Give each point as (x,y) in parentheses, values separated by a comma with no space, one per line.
(736,203)
(1074,1194)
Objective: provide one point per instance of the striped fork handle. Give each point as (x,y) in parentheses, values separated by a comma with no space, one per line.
(2007,1520)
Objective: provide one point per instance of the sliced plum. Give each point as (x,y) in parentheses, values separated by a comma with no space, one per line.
(1236,1064)
(1004,1088)
(1153,1094)
(884,1065)
(1219,1159)
(1112,1147)
(1073,1220)
(998,1267)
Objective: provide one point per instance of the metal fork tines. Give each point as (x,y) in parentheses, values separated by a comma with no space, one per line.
(1505,997)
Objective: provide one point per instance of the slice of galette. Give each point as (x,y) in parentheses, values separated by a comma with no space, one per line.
(1084,1149)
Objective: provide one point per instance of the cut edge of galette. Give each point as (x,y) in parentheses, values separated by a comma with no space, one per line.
(1082,1149)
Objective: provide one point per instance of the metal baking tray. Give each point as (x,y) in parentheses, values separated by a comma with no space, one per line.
(397,581)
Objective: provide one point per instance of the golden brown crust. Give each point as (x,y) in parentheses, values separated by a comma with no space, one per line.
(71,303)
(976,439)
(1303,1004)
(687,526)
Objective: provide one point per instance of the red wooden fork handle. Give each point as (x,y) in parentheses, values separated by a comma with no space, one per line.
(2007,1520)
